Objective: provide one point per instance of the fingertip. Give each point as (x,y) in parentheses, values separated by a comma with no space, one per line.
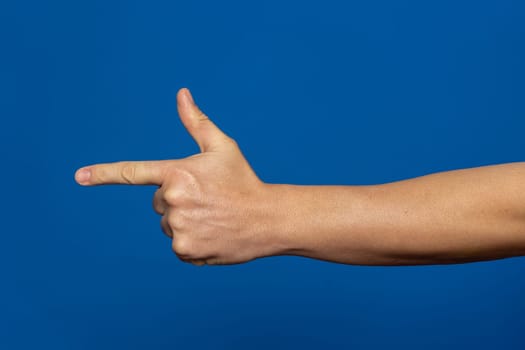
(188,95)
(182,91)
(82,176)
(184,97)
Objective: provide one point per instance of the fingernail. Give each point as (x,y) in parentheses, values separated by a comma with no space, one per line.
(83,176)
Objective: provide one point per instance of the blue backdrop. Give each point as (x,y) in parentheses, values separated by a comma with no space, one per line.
(331,92)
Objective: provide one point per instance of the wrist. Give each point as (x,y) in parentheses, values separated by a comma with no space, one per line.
(324,222)
(285,219)
(268,220)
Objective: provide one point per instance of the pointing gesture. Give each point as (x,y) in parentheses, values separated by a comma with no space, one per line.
(217,211)
(204,132)
(205,200)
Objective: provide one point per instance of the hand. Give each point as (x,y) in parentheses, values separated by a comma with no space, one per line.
(213,206)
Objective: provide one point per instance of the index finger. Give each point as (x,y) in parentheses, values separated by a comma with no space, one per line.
(127,173)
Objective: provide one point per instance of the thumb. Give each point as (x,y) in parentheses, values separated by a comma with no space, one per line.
(207,135)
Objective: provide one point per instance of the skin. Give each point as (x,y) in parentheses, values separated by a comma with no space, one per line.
(217,211)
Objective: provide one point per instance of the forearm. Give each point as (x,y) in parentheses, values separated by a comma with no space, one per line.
(449,217)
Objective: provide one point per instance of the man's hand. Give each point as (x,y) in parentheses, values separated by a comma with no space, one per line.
(212,204)
(217,211)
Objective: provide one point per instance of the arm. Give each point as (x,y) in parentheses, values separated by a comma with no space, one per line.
(449,217)
(217,211)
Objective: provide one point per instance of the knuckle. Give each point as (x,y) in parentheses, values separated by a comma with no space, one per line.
(166,228)
(182,246)
(231,141)
(201,116)
(127,172)
(156,206)
(176,222)
(171,196)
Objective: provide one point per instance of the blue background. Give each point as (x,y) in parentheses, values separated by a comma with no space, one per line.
(315,93)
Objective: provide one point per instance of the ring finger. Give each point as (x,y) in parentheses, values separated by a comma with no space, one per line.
(166,228)
(159,204)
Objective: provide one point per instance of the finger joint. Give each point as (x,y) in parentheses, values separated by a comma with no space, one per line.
(127,173)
